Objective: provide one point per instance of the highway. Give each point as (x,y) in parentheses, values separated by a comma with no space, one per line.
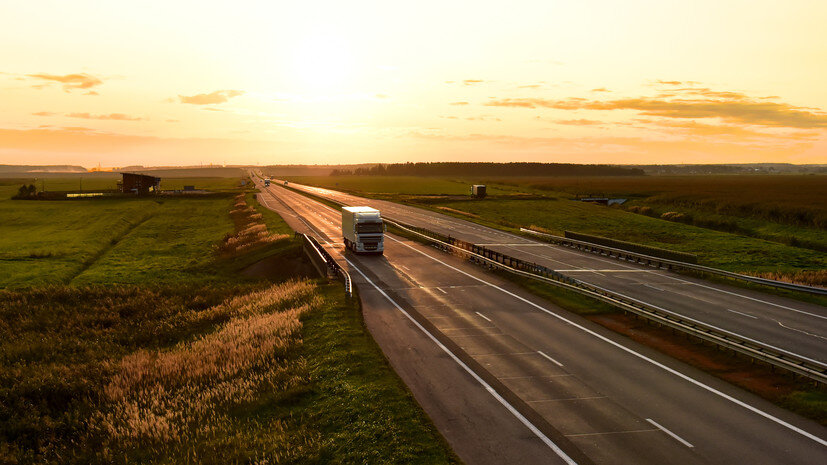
(509,378)
(786,324)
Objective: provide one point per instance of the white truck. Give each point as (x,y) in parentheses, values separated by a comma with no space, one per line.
(363,230)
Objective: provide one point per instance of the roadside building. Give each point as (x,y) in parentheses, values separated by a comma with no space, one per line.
(140,184)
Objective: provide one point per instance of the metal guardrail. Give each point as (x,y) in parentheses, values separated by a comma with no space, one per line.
(649,260)
(621,254)
(754,349)
(325,263)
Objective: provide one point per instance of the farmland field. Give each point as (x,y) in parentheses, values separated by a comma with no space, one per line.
(547,203)
(129,334)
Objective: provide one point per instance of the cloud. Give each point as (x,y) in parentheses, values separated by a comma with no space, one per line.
(458,103)
(601,89)
(219,96)
(530,86)
(44,113)
(578,122)
(471,82)
(734,107)
(670,83)
(69,81)
(111,116)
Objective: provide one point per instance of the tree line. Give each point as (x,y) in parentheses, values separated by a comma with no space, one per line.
(488,169)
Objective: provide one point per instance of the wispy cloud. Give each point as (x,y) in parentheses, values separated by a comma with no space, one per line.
(691,102)
(601,89)
(578,122)
(69,81)
(471,82)
(458,103)
(219,96)
(111,116)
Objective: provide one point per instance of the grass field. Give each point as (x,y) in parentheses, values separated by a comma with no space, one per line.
(108,240)
(516,202)
(789,209)
(129,334)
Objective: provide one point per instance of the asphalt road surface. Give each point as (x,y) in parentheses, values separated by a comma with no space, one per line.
(785,324)
(509,378)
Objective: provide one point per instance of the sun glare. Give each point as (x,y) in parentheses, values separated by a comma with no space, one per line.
(322,63)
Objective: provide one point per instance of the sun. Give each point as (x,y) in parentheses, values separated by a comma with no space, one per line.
(323,63)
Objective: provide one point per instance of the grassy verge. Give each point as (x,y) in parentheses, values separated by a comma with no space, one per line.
(362,407)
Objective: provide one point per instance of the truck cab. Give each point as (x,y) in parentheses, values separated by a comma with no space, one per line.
(363,230)
(266,182)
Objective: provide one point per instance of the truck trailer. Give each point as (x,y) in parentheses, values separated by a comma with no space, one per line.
(363,230)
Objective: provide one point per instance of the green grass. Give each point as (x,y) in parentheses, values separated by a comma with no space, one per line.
(714,248)
(108,240)
(173,245)
(362,408)
(87,284)
(275,223)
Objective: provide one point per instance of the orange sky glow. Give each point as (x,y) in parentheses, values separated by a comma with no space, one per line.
(271,82)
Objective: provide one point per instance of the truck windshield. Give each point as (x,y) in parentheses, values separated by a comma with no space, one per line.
(369,227)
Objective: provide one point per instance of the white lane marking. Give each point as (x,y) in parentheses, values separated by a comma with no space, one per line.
(614,262)
(721,329)
(687,378)
(441,290)
(548,442)
(592,270)
(742,313)
(483,317)
(653,287)
(546,356)
(800,330)
(674,436)
(743,296)
(403,266)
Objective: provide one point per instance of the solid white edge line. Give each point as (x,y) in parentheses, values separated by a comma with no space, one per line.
(632,352)
(666,275)
(548,442)
(674,436)
(621,347)
(484,317)
(552,360)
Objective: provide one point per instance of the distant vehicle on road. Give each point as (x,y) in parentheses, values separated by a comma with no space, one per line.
(266,183)
(363,230)
(478,191)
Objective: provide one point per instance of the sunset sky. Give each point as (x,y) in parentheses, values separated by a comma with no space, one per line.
(180,83)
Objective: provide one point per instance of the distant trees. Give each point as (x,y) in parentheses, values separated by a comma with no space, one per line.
(26,192)
(488,169)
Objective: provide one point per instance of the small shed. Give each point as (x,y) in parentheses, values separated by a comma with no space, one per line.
(478,191)
(140,184)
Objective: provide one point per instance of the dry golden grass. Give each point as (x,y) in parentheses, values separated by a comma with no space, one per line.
(166,398)
(250,230)
(808,278)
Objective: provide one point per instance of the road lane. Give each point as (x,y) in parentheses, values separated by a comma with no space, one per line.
(601,399)
(796,327)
